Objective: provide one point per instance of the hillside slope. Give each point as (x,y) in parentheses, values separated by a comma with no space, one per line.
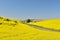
(50,23)
(15,30)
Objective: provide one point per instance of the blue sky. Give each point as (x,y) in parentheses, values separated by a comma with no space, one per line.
(24,9)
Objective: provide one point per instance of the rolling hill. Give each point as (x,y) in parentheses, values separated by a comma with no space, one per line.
(50,23)
(16,30)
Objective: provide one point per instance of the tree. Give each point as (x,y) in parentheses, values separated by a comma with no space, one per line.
(28,20)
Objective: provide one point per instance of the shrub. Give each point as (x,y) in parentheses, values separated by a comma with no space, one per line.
(7,20)
(28,20)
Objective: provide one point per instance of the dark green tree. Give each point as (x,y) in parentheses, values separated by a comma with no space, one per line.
(28,20)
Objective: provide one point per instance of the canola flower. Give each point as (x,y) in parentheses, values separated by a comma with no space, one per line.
(50,23)
(24,32)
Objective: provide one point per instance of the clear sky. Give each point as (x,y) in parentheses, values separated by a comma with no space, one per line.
(24,9)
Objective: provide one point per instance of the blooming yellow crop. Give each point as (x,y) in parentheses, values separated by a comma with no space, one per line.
(51,23)
(21,31)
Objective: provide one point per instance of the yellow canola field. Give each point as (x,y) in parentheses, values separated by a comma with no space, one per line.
(50,23)
(24,32)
